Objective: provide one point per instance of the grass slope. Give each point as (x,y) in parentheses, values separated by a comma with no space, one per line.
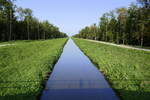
(128,71)
(24,66)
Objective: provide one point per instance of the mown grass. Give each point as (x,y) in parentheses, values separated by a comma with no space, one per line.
(24,66)
(127,70)
(18,41)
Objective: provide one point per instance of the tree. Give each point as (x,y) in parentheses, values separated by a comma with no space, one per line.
(104,25)
(28,16)
(144,3)
(122,22)
(19,24)
(7,14)
(124,25)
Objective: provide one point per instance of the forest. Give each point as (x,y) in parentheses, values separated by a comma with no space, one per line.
(130,26)
(17,23)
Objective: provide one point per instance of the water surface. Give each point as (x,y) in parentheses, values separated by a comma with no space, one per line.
(75,78)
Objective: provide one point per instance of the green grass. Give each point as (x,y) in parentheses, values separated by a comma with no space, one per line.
(18,42)
(24,66)
(127,70)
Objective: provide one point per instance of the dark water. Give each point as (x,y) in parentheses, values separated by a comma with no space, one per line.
(75,78)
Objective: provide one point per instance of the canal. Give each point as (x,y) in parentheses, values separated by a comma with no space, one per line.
(76,78)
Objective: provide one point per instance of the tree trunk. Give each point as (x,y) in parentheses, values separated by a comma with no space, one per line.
(38,31)
(112,38)
(103,36)
(141,42)
(10,24)
(142,35)
(106,33)
(44,35)
(28,30)
(117,38)
(123,38)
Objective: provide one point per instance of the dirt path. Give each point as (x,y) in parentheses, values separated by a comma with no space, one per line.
(123,46)
(6,45)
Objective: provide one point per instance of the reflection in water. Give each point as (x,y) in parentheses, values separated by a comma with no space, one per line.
(75,78)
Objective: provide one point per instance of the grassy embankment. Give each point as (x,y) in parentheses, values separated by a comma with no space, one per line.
(24,66)
(127,70)
(17,41)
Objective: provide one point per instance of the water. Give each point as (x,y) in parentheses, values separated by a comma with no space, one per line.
(75,78)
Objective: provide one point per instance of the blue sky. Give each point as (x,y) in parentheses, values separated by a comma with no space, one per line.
(71,15)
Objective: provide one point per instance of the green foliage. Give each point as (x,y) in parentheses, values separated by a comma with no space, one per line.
(127,70)
(25,65)
(19,24)
(124,25)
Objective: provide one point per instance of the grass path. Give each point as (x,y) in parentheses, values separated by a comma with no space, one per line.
(123,46)
(6,45)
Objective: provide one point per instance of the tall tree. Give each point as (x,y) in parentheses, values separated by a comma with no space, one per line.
(20,24)
(28,16)
(124,25)
(122,22)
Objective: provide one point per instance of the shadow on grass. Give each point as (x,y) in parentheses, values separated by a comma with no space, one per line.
(19,97)
(133,95)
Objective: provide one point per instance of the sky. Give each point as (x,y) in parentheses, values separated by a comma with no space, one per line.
(71,15)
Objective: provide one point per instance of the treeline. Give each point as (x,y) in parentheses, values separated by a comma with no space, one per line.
(17,23)
(123,26)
